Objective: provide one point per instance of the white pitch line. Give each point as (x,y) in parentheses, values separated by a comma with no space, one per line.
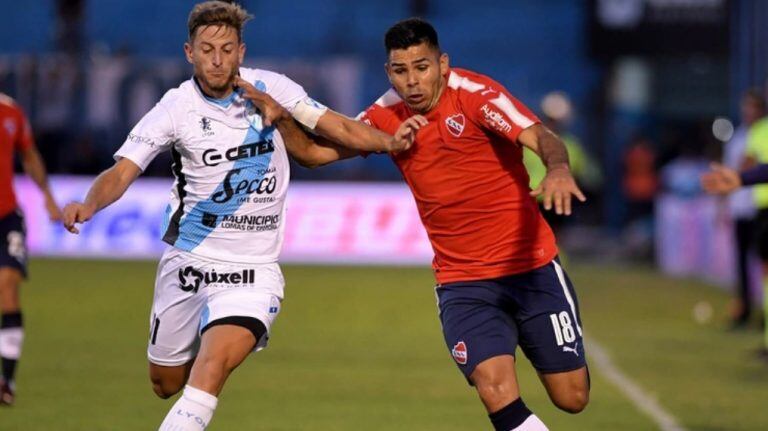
(639,397)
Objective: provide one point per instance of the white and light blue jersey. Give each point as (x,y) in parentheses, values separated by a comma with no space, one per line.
(228,200)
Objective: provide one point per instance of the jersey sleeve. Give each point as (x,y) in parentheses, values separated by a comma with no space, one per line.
(287,92)
(753,143)
(152,135)
(494,108)
(368,117)
(24,138)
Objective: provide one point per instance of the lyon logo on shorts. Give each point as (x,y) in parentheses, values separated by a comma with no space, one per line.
(459,353)
(455,124)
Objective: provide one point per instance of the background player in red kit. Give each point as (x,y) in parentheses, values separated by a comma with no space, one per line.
(15,135)
(499,281)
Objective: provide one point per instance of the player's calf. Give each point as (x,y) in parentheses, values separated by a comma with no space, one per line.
(168,381)
(569,391)
(496,383)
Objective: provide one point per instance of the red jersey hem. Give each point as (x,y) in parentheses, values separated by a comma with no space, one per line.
(486,273)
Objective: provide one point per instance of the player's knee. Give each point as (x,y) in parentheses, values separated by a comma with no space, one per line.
(215,367)
(573,402)
(496,393)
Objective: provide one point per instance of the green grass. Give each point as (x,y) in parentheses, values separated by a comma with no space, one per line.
(361,348)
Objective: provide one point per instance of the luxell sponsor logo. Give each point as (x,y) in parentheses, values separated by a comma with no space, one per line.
(190,279)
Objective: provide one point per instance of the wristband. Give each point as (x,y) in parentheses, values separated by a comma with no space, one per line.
(308,112)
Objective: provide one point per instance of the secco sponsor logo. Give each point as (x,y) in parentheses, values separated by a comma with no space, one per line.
(247,186)
(212,156)
(495,119)
(190,279)
(459,353)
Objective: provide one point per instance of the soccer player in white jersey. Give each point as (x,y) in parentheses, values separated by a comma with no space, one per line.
(218,287)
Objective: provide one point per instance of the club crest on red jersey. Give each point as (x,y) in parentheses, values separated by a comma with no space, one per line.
(455,124)
(459,353)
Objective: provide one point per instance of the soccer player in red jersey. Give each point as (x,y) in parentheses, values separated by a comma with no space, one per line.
(500,283)
(15,135)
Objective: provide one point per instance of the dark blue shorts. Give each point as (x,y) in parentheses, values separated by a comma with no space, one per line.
(13,242)
(537,310)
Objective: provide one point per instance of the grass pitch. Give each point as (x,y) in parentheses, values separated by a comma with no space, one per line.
(361,348)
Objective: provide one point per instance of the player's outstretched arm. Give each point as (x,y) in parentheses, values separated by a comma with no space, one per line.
(558,186)
(356,135)
(311,151)
(720,180)
(108,187)
(33,165)
(327,123)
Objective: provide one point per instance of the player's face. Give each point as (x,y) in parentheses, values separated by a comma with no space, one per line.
(418,74)
(750,110)
(216,53)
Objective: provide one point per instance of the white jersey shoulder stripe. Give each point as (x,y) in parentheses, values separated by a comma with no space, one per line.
(389,98)
(508,108)
(457,81)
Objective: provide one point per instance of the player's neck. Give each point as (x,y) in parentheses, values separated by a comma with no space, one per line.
(212,94)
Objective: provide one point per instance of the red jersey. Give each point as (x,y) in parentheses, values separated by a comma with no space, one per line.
(15,134)
(466,172)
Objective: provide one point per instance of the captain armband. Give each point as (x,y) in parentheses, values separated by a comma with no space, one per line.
(308,112)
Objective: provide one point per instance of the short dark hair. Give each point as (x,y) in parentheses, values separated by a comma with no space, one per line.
(217,13)
(410,32)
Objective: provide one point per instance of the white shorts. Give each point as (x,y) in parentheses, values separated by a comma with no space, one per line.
(191,293)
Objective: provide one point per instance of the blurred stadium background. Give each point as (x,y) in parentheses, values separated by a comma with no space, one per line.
(645,91)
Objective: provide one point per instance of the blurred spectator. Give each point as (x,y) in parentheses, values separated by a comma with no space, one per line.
(557,114)
(640,183)
(757,152)
(741,205)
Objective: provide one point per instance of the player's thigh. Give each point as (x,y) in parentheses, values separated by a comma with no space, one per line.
(239,321)
(548,321)
(177,311)
(225,347)
(475,325)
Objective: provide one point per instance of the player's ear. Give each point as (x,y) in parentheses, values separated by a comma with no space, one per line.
(241,52)
(444,64)
(388,71)
(188,51)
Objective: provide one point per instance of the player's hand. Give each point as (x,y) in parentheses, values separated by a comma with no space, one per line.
(54,212)
(720,180)
(271,111)
(557,187)
(76,212)
(406,133)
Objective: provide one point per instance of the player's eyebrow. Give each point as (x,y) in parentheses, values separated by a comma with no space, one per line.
(211,45)
(400,64)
